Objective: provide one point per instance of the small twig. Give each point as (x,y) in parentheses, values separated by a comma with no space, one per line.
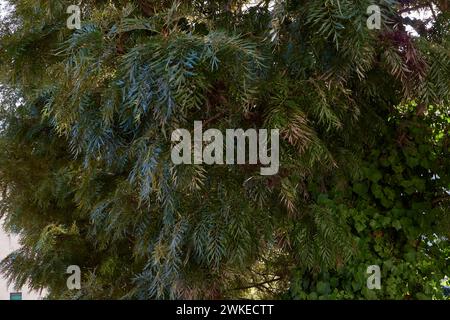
(432,11)
(217,116)
(256,285)
(422,6)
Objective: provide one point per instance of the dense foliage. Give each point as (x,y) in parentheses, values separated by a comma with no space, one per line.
(86,174)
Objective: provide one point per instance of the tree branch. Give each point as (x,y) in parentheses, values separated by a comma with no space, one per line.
(256,285)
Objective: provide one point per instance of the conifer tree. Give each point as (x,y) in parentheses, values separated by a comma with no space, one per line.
(85,148)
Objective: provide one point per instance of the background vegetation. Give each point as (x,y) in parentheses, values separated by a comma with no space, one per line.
(85,170)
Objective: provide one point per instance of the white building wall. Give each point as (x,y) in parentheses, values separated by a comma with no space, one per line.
(7,245)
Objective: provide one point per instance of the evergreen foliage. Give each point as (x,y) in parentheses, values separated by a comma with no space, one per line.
(85,169)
